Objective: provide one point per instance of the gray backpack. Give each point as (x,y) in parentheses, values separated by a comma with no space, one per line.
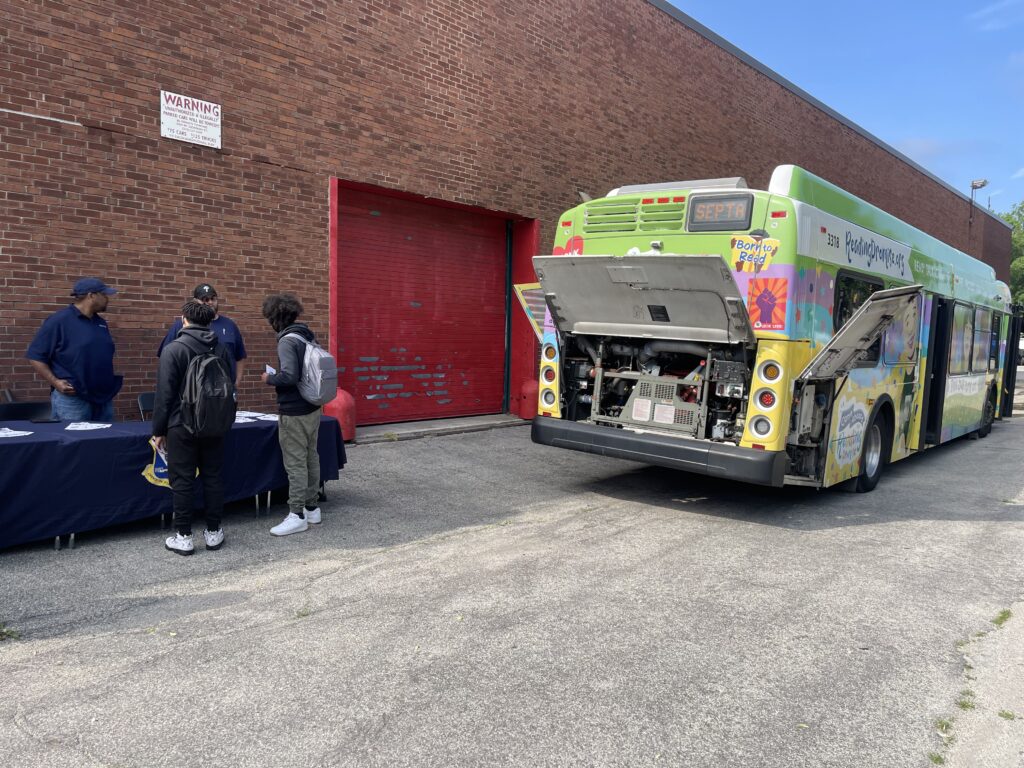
(318,381)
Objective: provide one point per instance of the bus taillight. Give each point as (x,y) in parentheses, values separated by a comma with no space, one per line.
(760,426)
(548,394)
(770,371)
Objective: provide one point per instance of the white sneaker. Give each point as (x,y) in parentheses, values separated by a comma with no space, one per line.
(291,524)
(181,544)
(214,539)
(312,516)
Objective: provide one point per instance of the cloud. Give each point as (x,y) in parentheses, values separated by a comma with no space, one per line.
(999,15)
(1019,174)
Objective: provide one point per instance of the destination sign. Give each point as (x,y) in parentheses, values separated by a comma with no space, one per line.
(721,213)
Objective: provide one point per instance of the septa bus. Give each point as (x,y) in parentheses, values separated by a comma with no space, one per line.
(793,336)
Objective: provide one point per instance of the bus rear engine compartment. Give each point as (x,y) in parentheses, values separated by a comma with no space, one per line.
(681,388)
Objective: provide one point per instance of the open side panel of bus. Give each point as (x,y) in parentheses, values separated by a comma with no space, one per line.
(1013,359)
(819,384)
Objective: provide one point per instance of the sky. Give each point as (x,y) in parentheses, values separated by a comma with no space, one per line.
(940,81)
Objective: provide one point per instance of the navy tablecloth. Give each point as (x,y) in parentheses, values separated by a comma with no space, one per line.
(54,481)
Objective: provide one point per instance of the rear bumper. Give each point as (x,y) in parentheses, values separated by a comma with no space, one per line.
(700,457)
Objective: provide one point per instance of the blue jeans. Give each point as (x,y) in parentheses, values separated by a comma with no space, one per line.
(71,408)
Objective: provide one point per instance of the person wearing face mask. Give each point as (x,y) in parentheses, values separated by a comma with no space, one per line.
(74,352)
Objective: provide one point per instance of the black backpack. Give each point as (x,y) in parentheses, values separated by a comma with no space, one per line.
(207,395)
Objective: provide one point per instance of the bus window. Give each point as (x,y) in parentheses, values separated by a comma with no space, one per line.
(851,292)
(963,338)
(982,336)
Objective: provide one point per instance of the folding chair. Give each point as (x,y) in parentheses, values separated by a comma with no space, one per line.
(146,400)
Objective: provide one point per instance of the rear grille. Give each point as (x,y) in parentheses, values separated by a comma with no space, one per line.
(631,215)
(661,217)
(610,217)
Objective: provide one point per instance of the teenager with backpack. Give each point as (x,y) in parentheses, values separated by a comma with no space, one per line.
(303,384)
(193,411)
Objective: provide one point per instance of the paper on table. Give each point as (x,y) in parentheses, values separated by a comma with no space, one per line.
(242,417)
(82,425)
(271,370)
(5,432)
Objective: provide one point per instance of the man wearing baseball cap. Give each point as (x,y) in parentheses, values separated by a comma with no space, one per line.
(223,327)
(74,352)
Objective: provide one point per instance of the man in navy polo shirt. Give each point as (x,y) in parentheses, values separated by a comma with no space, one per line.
(74,352)
(224,327)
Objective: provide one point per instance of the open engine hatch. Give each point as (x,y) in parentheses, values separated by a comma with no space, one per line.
(670,296)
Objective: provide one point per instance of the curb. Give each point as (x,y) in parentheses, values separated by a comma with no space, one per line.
(398,435)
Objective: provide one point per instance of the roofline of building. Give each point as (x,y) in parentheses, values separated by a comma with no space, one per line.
(753,63)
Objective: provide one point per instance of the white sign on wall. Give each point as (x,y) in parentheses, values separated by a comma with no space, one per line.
(186,119)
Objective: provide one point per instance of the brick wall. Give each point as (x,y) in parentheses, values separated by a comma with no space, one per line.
(509,106)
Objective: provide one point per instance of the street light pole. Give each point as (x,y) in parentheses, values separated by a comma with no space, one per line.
(975,186)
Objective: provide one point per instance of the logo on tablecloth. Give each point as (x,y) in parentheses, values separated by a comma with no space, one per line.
(156,471)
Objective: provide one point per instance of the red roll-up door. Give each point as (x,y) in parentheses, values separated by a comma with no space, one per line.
(421,308)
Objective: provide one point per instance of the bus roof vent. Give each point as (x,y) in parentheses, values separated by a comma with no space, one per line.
(736,182)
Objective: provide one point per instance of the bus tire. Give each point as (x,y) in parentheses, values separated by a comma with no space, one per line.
(990,414)
(874,454)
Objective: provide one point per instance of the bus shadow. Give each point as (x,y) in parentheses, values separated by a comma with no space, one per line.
(920,488)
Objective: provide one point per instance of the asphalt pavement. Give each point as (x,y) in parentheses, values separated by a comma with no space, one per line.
(475,599)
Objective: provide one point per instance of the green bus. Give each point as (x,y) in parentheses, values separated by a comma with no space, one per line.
(793,336)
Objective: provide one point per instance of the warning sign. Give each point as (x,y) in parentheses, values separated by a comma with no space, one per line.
(186,119)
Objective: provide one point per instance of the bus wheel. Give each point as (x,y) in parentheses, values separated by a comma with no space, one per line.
(989,415)
(874,455)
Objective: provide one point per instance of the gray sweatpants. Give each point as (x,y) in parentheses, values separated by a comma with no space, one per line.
(297,435)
